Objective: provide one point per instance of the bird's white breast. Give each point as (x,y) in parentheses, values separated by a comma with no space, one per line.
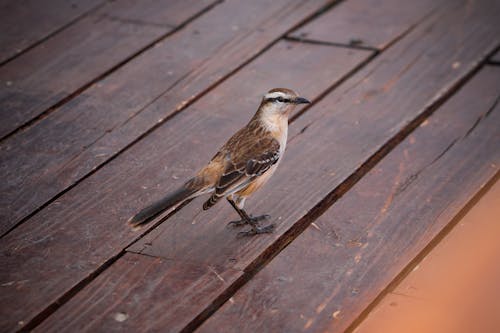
(277,125)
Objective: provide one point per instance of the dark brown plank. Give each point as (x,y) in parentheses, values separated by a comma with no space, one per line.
(156,12)
(346,128)
(84,133)
(90,218)
(130,286)
(330,273)
(366,23)
(24,23)
(55,69)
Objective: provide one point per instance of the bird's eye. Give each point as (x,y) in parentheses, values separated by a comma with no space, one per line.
(280,99)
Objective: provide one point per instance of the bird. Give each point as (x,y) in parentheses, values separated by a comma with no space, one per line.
(240,167)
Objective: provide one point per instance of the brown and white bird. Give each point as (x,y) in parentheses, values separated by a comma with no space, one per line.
(241,166)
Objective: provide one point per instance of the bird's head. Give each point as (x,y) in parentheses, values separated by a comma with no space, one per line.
(281,101)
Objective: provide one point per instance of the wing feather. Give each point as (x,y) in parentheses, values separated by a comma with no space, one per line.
(248,163)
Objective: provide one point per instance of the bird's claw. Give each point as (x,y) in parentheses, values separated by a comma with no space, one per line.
(257,230)
(254,220)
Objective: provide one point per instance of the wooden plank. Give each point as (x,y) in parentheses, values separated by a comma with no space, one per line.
(164,12)
(57,68)
(350,131)
(451,289)
(90,218)
(24,23)
(84,133)
(366,23)
(134,281)
(331,272)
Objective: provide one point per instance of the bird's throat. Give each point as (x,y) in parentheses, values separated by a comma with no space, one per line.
(276,124)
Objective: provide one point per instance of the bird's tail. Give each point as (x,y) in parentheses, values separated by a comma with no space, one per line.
(169,201)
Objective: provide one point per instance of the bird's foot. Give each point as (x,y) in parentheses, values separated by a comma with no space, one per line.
(253,221)
(257,230)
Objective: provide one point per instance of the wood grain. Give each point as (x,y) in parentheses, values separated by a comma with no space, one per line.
(24,23)
(128,289)
(73,58)
(84,133)
(330,273)
(84,228)
(345,132)
(165,13)
(366,23)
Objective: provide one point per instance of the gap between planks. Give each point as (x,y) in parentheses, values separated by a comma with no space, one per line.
(349,46)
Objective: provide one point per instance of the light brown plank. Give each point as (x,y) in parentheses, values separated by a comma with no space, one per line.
(452,288)
(24,23)
(73,58)
(84,133)
(335,269)
(366,23)
(90,219)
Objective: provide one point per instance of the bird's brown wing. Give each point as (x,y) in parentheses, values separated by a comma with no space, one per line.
(249,163)
(243,163)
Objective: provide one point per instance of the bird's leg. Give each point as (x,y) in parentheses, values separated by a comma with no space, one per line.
(252,221)
(245,218)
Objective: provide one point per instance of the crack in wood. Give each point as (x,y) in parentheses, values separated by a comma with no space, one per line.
(415,175)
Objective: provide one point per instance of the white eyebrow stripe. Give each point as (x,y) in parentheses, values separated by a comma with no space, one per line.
(275,94)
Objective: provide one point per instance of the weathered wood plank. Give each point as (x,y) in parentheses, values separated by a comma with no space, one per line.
(90,218)
(331,272)
(156,12)
(373,23)
(347,129)
(57,68)
(123,296)
(24,23)
(84,133)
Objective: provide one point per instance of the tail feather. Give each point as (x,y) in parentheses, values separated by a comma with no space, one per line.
(169,201)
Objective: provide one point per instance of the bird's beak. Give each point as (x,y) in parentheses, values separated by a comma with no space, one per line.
(301,100)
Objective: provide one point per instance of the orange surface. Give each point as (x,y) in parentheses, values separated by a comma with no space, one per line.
(456,287)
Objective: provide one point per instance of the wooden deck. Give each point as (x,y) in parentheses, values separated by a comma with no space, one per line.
(106,106)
